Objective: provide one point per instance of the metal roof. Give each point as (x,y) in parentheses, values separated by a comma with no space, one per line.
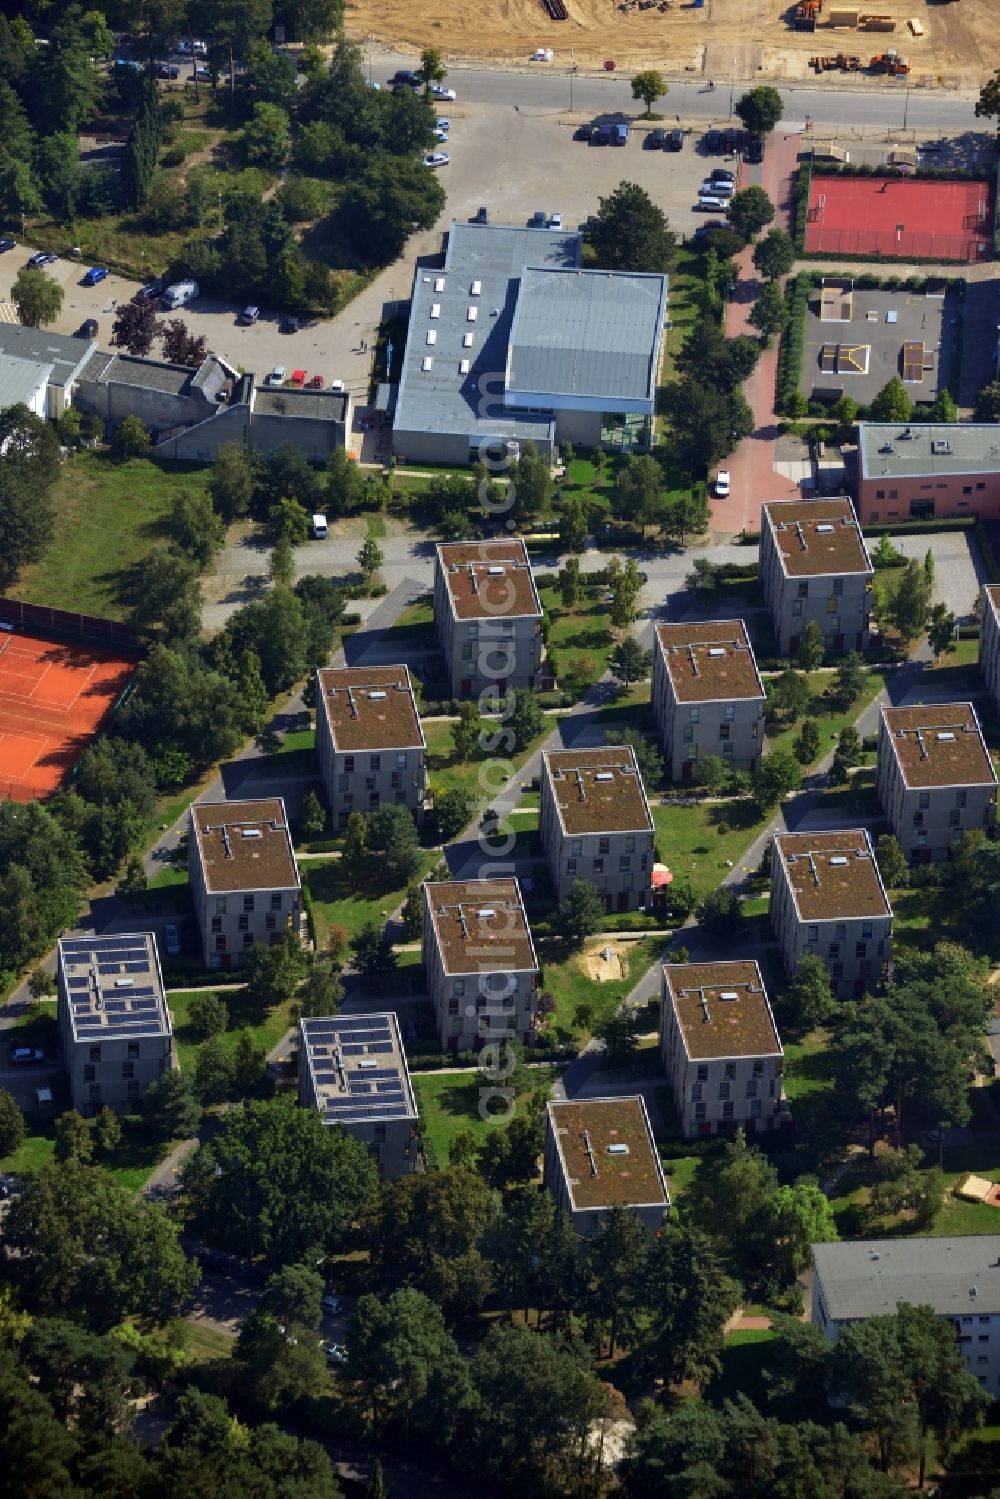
(39,345)
(21,380)
(914,449)
(358,1069)
(870,1277)
(586,333)
(113,987)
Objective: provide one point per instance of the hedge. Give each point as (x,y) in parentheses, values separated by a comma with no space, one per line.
(792,345)
(918,527)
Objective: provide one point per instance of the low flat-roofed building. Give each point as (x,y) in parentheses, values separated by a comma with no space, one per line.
(595,824)
(600,1154)
(115,1032)
(708,698)
(989,640)
(58,359)
(244,879)
(957,1278)
(827,899)
(721,1048)
(935,777)
(488,616)
(927,471)
(353,1069)
(814,565)
(369,740)
(480,963)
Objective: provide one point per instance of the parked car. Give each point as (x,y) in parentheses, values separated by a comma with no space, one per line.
(316,382)
(675,140)
(438,91)
(407,77)
(713,142)
(722,174)
(440,135)
(600,135)
(335,1353)
(538,219)
(8,244)
(203,74)
(41,258)
(320,530)
(722,484)
(94,275)
(330,1302)
(707,227)
(714,188)
(171,940)
(88,328)
(753,151)
(298,378)
(20,1056)
(481,216)
(656,139)
(249,315)
(619,134)
(442,124)
(275,376)
(731,141)
(194,48)
(437,159)
(166,70)
(555,221)
(711,205)
(152,289)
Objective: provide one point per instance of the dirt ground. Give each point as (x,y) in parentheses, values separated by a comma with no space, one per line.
(959,47)
(604,961)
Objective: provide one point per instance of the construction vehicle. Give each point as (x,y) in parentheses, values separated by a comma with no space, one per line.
(807,14)
(890,62)
(876,23)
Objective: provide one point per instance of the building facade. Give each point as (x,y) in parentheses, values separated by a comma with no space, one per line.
(708,698)
(935,777)
(352,1068)
(814,565)
(369,740)
(115,1033)
(595,824)
(244,879)
(827,899)
(927,471)
(480,963)
(721,1049)
(488,617)
(989,640)
(956,1277)
(600,1154)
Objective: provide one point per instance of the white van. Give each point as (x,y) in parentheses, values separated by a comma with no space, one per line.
(319,529)
(179,293)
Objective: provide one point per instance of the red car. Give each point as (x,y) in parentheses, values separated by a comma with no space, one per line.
(316,383)
(298,377)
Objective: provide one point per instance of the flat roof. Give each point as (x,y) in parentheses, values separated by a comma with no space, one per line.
(114,987)
(932,449)
(815,537)
(939,744)
(722,1009)
(600,1178)
(21,380)
(358,1068)
(245,845)
(710,661)
(958,1277)
(489,579)
(369,708)
(480,926)
(598,790)
(832,875)
(313,405)
(586,334)
(41,346)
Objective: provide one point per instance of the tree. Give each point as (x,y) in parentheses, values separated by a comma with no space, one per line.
(36,296)
(249,1064)
(530,490)
(402,1354)
(391,836)
(288,519)
(624,585)
(580,914)
(166,592)
(687,514)
(107,1132)
(452,811)
(136,326)
(373,950)
(720,909)
(943,407)
(231,482)
(769,314)
(750,210)
(987,407)
(776,776)
(810,652)
(707,422)
(638,491)
(892,403)
(281,566)
(988,103)
(647,754)
(808,1000)
(12,1127)
(267,136)
(467,731)
(712,772)
(526,720)
(760,109)
(849,679)
(170,1109)
(432,66)
(322,992)
(908,605)
(806,746)
(631,233)
(790,693)
(774,255)
(648,86)
(941,627)
(179,346)
(618,1032)
(844,411)
(574,528)
(386,202)
(629,663)
(891,861)
(370,558)
(275,972)
(74,1141)
(195,527)
(208,1015)
(312,815)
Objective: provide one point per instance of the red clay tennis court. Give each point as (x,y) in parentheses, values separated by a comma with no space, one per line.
(53,697)
(900,217)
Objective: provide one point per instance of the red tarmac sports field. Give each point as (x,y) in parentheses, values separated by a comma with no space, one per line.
(900,218)
(53,697)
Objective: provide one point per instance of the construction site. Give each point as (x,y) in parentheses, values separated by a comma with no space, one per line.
(950,43)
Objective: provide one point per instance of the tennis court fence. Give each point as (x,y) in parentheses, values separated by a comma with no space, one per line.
(20,791)
(68,624)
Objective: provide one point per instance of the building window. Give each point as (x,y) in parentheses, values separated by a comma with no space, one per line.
(961,798)
(89,1072)
(220,944)
(248,939)
(980,485)
(270,922)
(458,988)
(94,1093)
(730,1070)
(812,934)
(349,764)
(955,818)
(834,950)
(840,931)
(688,733)
(401,761)
(220,905)
(699,1112)
(598,866)
(379,1134)
(984,1337)
(922,838)
(630,844)
(723,731)
(128,1070)
(831,605)
(133,1050)
(694,715)
(248,902)
(727,1111)
(132,1090)
(723,1090)
(924,800)
(453,1007)
(95,1053)
(866,930)
(838,585)
(342,783)
(603,845)
(571,866)
(624,863)
(803,590)
(243,922)
(696,1092)
(729,712)
(216,923)
(276,902)
(576,846)
(375,762)
(838,970)
(703,1072)
(728,748)
(880,494)
(755,1108)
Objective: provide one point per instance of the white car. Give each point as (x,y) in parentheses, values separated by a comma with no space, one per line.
(438,91)
(440,135)
(555,221)
(712,205)
(442,124)
(437,159)
(722,484)
(542,54)
(715,189)
(275,376)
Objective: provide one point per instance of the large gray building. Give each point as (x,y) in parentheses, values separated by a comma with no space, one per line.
(595,824)
(989,640)
(708,698)
(600,1154)
(41,368)
(369,740)
(935,777)
(487,616)
(957,1278)
(814,565)
(114,1026)
(828,900)
(480,964)
(512,342)
(352,1068)
(244,879)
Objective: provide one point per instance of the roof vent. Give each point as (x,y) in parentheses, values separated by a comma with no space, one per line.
(467,340)
(368,1062)
(973,1292)
(618,1148)
(604,775)
(940,445)
(426,363)
(251,832)
(486,913)
(376,695)
(875,1255)
(823,529)
(435,309)
(729,994)
(463,366)
(432,337)
(716,650)
(124,983)
(946,737)
(495,572)
(475,288)
(472,314)
(438,283)
(837,860)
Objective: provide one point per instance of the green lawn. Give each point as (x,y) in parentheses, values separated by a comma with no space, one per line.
(570,986)
(130,1164)
(743,1361)
(964,657)
(266,1026)
(108,513)
(687,280)
(449,1104)
(828,718)
(580,638)
(337,900)
(702,841)
(477,778)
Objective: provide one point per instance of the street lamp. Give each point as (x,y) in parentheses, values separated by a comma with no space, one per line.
(572,75)
(732,85)
(906,106)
